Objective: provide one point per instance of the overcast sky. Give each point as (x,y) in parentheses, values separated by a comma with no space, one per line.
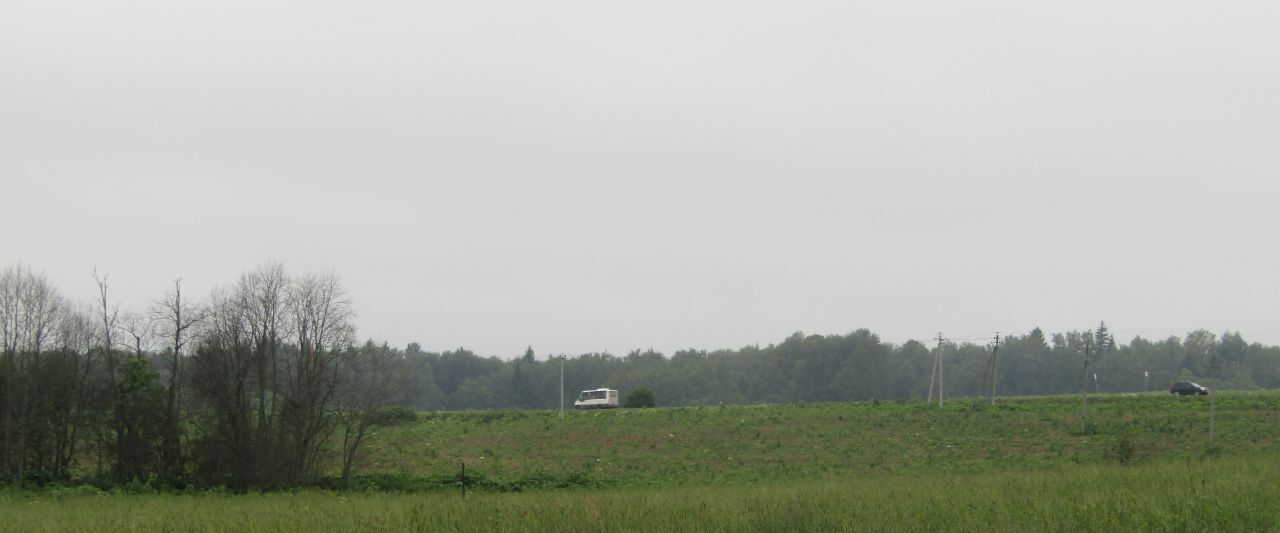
(592,176)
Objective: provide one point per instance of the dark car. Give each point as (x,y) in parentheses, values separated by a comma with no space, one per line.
(1183,388)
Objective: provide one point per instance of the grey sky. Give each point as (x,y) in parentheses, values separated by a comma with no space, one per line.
(589,176)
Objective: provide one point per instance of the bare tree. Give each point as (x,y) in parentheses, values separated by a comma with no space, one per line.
(174,319)
(322,317)
(10,338)
(109,316)
(78,335)
(260,299)
(223,369)
(140,329)
(29,313)
(118,440)
(267,364)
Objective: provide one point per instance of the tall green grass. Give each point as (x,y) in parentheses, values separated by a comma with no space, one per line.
(1216,494)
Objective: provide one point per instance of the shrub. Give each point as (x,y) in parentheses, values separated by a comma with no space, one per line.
(394,416)
(640,398)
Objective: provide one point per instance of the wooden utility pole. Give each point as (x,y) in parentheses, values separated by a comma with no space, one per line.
(989,374)
(937,354)
(995,362)
(940,374)
(1084,410)
(1213,375)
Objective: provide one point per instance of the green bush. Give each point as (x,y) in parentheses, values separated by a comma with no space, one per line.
(394,416)
(640,398)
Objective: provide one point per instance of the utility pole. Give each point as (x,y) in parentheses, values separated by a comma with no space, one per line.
(1213,375)
(940,375)
(1084,410)
(937,353)
(995,362)
(989,374)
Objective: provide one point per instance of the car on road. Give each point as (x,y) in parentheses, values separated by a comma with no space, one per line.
(1183,388)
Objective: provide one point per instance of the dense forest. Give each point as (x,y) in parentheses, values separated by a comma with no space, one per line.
(261,383)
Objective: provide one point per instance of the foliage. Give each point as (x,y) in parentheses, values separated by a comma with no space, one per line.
(640,398)
(394,415)
(141,418)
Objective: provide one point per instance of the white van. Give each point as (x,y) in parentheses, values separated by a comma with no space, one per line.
(597,399)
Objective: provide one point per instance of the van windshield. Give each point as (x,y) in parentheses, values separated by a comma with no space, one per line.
(592,395)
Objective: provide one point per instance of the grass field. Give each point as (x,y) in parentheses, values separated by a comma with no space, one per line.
(1221,494)
(783,442)
(890,466)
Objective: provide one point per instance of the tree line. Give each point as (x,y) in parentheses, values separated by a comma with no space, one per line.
(248,388)
(854,366)
(261,384)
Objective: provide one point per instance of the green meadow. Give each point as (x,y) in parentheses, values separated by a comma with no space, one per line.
(755,443)
(1143,463)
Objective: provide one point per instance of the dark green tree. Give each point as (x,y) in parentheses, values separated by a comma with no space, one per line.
(142,419)
(640,398)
